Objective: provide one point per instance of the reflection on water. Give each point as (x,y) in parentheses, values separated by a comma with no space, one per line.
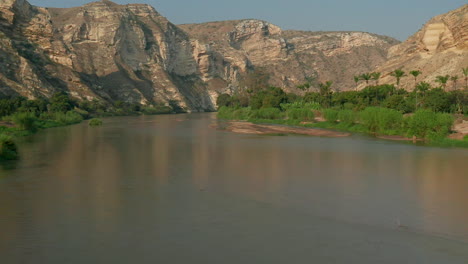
(158,186)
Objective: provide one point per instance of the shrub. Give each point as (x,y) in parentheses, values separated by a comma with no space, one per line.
(8,150)
(266,113)
(25,121)
(68,118)
(241,113)
(429,125)
(60,102)
(378,119)
(157,110)
(398,102)
(347,116)
(272,97)
(223,100)
(234,113)
(95,122)
(225,112)
(302,114)
(330,115)
(301,105)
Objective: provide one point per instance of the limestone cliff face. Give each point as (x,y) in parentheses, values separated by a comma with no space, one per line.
(290,57)
(439,48)
(100,50)
(130,52)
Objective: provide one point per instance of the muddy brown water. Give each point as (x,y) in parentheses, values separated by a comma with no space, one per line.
(172,189)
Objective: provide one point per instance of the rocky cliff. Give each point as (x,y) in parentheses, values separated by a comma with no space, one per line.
(100,50)
(130,52)
(290,58)
(439,48)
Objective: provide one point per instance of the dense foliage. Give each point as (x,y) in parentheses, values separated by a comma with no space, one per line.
(95,122)
(425,113)
(424,97)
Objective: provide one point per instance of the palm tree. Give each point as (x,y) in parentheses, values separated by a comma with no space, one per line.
(326,91)
(415,75)
(376,77)
(325,88)
(454,80)
(465,73)
(443,80)
(356,80)
(304,87)
(422,87)
(366,77)
(398,74)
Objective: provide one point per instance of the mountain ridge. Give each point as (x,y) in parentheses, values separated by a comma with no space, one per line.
(106,51)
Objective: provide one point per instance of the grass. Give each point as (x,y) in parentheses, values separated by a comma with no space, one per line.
(432,127)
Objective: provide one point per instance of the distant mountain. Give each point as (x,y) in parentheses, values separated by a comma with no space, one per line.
(439,48)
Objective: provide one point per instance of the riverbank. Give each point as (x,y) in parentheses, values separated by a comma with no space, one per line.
(265,129)
(423,127)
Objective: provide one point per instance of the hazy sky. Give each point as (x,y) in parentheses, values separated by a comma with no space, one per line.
(395,18)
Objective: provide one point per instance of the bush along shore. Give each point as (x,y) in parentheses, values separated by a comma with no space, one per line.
(382,111)
(22,117)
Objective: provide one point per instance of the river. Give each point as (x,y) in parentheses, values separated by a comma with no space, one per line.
(172,189)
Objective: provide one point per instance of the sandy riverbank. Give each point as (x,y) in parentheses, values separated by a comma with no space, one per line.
(251,128)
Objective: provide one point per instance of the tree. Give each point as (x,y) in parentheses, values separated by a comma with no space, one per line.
(437,100)
(223,100)
(270,97)
(465,73)
(326,92)
(422,87)
(454,80)
(304,87)
(356,80)
(60,102)
(398,74)
(366,77)
(376,76)
(415,75)
(442,80)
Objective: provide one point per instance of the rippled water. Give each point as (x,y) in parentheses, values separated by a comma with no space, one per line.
(170,189)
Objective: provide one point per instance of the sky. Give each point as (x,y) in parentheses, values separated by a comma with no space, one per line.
(395,18)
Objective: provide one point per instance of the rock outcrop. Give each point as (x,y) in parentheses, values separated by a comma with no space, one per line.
(290,58)
(100,50)
(439,48)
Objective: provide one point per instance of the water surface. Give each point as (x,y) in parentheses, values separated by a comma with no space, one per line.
(170,189)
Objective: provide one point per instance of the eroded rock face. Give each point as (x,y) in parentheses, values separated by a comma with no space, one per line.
(100,50)
(290,57)
(131,53)
(439,48)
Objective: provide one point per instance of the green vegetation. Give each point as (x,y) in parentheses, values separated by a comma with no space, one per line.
(331,115)
(95,122)
(382,120)
(429,125)
(8,149)
(300,114)
(23,117)
(426,113)
(398,74)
